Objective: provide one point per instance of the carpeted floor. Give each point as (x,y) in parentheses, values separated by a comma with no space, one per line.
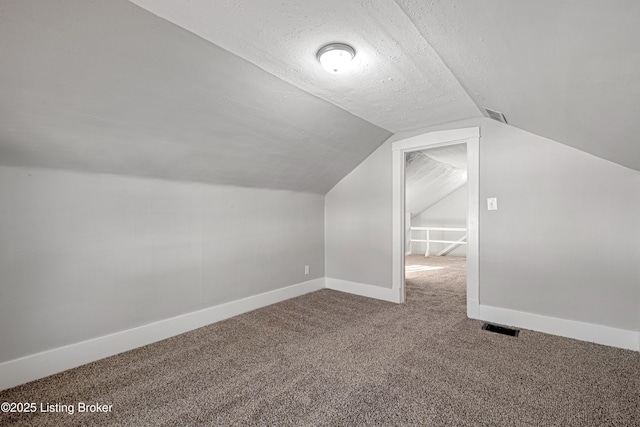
(330,358)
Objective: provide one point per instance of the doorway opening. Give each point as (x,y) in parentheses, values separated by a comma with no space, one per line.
(436,220)
(444,141)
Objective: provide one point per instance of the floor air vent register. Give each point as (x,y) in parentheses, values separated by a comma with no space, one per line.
(500,330)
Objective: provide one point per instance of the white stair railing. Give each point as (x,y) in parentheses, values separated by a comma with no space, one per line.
(453,243)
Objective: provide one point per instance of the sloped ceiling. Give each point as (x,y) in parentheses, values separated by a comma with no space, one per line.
(397,82)
(431,175)
(105,86)
(565,70)
(236,95)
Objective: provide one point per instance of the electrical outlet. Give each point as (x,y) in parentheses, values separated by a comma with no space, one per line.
(306,269)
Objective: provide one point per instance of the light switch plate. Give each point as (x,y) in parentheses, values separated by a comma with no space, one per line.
(492,204)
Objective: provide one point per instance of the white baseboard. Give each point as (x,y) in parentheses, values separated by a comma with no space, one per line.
(371,291)
(473,309)
(40,365)
(614,337)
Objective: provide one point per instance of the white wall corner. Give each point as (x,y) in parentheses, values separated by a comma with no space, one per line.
(599,334)
(398,295)
(473,308)
(39,365)
(362,289)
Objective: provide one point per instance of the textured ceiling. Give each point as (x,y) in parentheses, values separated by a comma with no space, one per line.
(433,174)
(105,86)
(566,70)
(396,82)
(454,155)
(237,97)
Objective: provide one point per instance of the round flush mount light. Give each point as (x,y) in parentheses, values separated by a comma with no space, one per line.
(336,57)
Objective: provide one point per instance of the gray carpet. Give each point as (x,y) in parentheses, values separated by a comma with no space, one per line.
(330,358)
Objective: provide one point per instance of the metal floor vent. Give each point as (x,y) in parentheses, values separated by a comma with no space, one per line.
(500,330)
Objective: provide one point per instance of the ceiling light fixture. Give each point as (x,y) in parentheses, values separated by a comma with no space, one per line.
(336,57)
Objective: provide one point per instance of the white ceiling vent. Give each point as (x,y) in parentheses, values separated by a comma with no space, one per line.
(495,115)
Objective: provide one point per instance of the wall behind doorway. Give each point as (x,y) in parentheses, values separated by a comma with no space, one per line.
(563,243)
(449,212)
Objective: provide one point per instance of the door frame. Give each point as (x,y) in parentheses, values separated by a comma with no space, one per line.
(471,137)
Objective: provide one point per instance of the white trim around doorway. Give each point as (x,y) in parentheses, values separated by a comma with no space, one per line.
(471,137)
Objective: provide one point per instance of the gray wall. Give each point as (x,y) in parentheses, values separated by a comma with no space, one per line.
(563,242)
(448,212)
(84,255)
(358,223)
